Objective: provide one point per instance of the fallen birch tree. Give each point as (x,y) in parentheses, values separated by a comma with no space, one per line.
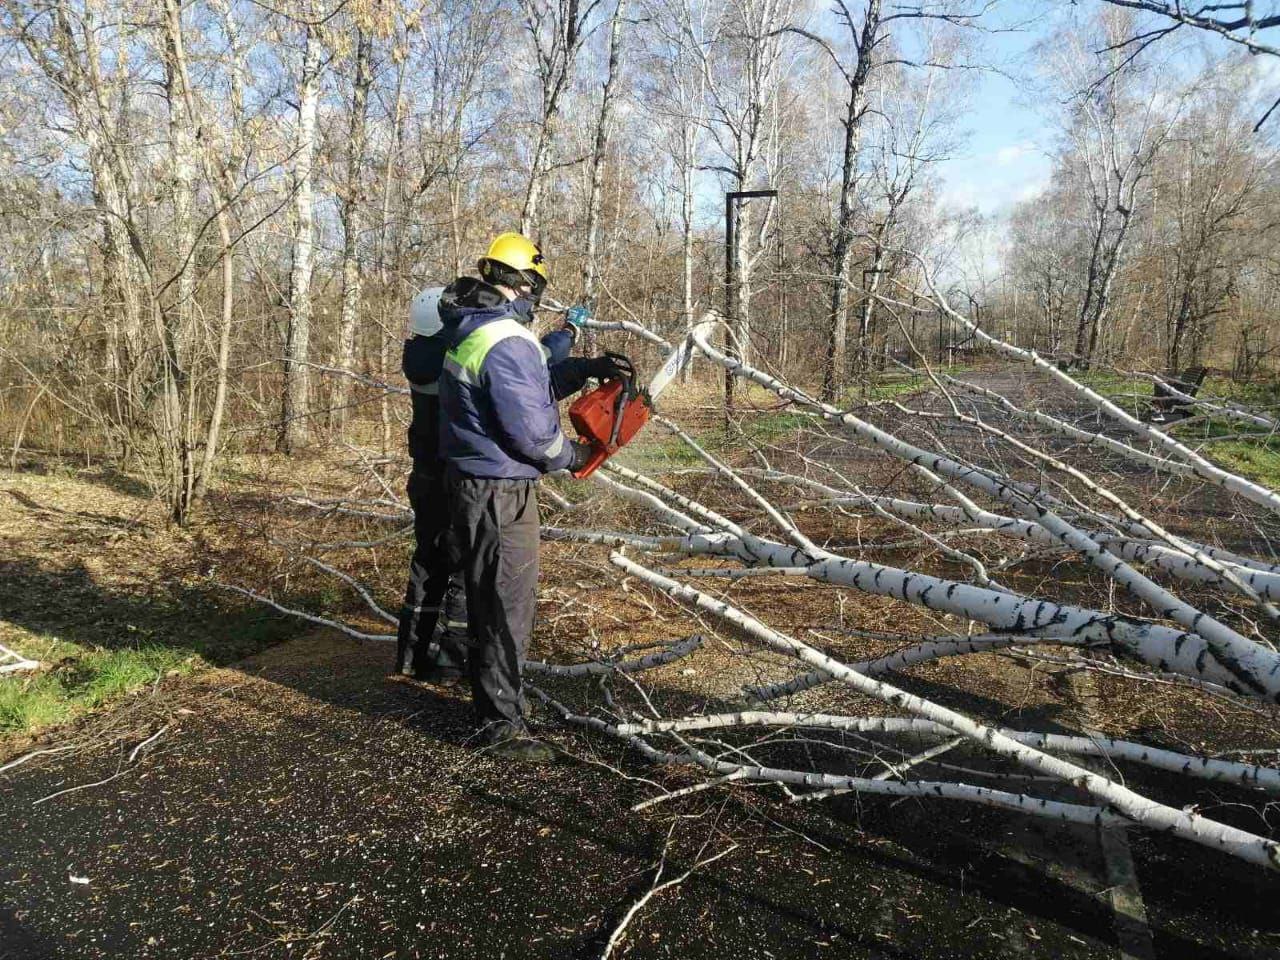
(743,533)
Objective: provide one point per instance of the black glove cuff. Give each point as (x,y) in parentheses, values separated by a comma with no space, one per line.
(581,453)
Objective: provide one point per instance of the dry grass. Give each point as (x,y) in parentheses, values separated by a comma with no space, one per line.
(104,594)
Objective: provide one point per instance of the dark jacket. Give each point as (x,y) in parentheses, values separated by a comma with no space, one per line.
(422,360)
(498,389)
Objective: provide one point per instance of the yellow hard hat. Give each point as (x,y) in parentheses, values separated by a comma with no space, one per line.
(518,253)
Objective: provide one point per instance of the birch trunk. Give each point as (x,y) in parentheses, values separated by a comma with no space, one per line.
(1251,667)
(222,187)
(297,380)
(1190,826)
(599,154)
(179,381)
(351,204)
(1203,468)
(688,147)
(388,248)
(836,374)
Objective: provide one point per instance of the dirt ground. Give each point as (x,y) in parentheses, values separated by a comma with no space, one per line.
(298,806)
(294,804)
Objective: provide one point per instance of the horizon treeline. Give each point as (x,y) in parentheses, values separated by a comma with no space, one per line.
(213,214)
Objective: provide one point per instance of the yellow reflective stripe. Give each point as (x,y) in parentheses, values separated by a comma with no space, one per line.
(468,356)
(457,370)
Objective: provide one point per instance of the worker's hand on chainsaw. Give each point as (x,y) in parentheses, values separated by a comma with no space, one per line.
(602,368)
(580,454)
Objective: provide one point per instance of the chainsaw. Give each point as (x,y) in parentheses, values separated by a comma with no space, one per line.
(608,417)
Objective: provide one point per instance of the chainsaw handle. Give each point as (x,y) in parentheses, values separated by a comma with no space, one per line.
(598,456)
(626,370)
(622,362)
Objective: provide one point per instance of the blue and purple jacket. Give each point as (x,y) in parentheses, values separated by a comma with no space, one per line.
(498,416)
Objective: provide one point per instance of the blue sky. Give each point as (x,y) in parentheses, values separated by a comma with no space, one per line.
(1005,157)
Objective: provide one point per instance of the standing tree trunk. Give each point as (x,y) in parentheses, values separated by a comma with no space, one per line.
(835,376)
(385,247)
(866,312)
(688,152)
(1102,302)
(591,259)
(77,71)
(297,381)
(179,382)
(1091,282)
(537,170)
(222,187)
(556,29)
(351,203)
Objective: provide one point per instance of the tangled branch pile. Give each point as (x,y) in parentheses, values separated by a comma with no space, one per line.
(1031,532)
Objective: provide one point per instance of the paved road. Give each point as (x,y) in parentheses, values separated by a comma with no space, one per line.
(298,806)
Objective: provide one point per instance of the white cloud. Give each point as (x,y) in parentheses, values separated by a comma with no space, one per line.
(1032,189)
(1012,154)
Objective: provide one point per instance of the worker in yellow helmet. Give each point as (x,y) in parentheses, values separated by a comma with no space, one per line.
(499,433)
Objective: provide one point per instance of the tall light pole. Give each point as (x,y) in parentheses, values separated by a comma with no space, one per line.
(731,200)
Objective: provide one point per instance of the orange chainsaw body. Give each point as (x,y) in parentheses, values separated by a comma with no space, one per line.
(607,418)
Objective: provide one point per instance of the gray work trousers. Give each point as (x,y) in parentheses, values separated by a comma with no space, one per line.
(495,531)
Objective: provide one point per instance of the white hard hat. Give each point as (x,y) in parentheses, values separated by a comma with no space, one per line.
(424,313)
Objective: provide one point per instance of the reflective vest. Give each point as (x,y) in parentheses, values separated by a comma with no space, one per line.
(465,361)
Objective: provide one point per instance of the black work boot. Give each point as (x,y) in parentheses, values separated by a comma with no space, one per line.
(441,676)
(522,747)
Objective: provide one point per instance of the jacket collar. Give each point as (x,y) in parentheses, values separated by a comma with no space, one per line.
(469,304)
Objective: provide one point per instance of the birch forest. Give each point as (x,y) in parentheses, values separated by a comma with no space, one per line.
(934,613)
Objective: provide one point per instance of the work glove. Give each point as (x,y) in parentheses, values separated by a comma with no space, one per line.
(580,453)
(575,318)
(602,368)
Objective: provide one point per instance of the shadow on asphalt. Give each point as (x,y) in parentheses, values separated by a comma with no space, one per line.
(914,879)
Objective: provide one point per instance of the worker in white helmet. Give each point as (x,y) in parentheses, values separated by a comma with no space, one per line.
(432,638)
(433,619)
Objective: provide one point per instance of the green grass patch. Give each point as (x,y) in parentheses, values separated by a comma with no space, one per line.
(28,703)
(1257,460)
(770,427)
(1250,393)
(656,450)
(890,389)
(84,682)
(99,645)
(103,675)
(1252,459)
(1110,384)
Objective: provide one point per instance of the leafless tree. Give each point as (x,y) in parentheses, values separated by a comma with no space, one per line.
(600,151)
(1113,133)
(745,74)
(296,394)
(352,203)
(676,90)
(556,31)
(1235,22)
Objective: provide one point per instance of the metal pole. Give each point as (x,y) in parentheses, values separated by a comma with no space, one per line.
(730,311)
